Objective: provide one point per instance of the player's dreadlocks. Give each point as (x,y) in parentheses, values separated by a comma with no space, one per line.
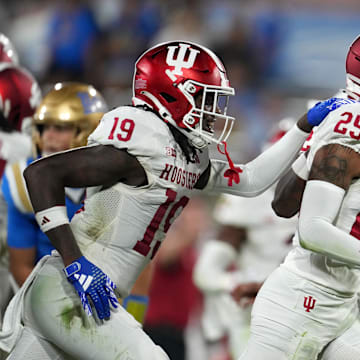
(188,150)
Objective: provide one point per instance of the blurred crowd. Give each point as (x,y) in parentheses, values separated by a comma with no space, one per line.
(97,42)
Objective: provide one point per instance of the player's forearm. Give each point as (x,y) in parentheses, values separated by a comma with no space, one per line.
(259,174)
(288,195)
(46,191)
(64,242)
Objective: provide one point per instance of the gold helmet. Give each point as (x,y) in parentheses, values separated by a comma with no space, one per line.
(70,103)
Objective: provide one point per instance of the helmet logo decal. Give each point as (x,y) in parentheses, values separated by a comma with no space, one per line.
(5,107)
(89,103)
(179,63)
(35,95)
(140,84)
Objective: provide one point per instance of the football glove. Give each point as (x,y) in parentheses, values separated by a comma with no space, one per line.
(321,109)
(92,284)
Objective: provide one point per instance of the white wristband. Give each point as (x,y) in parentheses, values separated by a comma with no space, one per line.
(52,217)
(300,168)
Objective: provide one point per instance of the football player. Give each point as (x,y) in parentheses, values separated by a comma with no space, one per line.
(308,308)
(141,166)
(64,119)
(251,241)
(19,96)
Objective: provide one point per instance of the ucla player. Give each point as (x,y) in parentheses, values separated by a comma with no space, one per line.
(66,116)
(308,308)
(141,166)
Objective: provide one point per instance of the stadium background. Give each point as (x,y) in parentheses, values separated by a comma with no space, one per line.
(278,53)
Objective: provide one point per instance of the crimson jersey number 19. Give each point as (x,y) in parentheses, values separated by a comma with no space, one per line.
(144,246)
(126,129)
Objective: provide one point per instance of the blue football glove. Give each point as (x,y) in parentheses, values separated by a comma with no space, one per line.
(321,109)
(91,283)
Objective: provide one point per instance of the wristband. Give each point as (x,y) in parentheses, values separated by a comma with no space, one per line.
(52,217)
(300,168)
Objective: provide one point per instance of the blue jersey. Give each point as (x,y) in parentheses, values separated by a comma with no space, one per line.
(22,229)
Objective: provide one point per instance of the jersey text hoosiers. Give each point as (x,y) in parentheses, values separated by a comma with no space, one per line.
(179,176)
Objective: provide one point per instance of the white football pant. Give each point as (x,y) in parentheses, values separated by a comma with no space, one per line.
(294,319)
(54,319)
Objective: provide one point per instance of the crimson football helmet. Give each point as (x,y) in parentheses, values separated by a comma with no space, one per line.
(187,85)
(353,70)
(19,96)
(7,51)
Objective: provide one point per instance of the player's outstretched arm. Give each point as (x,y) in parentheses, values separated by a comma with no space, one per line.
(259,174)
(83,167)
(334,168)
(88,166)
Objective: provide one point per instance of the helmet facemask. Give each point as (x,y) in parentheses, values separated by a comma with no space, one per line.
(209,110)
(353,87)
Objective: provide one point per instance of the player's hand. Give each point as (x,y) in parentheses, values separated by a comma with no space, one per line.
(92,285)
(321,109)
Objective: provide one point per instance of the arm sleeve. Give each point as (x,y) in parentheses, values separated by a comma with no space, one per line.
(319,208)
(211,270)
(259,174)
(300,167)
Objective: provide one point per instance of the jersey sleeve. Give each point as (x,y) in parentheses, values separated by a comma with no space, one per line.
(131,129)
(342,127)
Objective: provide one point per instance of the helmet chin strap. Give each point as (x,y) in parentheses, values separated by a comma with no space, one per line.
(196,140)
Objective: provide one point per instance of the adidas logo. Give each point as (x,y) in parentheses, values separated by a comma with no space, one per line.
(45,220)
(84,280)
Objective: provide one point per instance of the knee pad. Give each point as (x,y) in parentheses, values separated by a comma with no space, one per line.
(303,347)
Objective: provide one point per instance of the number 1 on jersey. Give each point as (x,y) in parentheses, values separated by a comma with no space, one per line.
(143,247)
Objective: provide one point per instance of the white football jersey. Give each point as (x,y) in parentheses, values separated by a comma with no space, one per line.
(122,226)
(342,126)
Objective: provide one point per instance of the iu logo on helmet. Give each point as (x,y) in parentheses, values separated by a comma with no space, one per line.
(309,303)
(179,63)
